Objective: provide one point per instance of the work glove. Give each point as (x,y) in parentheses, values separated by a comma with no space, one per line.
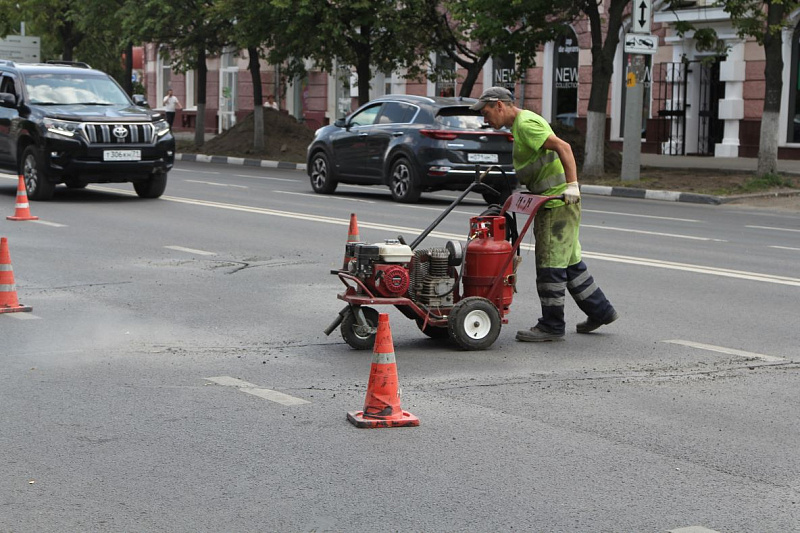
(573,194)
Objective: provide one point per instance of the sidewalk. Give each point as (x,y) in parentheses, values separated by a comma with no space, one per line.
(702,164)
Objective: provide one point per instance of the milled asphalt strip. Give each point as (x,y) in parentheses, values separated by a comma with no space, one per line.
(729,351)
(255,390)
(751,276)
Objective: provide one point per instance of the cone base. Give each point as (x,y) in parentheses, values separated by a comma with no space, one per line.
(16,309)
(21,218)
(406,419)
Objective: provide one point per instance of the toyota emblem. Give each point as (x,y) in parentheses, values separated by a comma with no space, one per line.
(120,132)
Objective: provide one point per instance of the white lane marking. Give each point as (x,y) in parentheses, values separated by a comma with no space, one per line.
(693,529)
(22,316)
(307,217)
(53,224)
(249,388)
(196,171)
(263,178)
(640,216)
(314,195)
(657,234)
(439,209)
(190,250)
(786,248)
(216,184)
(774,229)
(729,351)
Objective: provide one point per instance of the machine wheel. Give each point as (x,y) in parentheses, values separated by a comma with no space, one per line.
(37,186)
(403,182)
(153,187)
(434,332)
(322,179)
(360,337)
(491,198)
(474,323)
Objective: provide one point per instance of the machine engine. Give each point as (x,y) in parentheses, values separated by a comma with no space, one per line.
(391,269)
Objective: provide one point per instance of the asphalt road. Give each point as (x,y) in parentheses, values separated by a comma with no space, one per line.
(139,394)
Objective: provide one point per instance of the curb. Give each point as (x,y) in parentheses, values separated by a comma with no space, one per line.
(223,160)
(599,190)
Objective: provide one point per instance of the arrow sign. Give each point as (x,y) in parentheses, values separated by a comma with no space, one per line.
(642,16)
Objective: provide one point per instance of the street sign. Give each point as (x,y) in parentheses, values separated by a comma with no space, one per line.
(642,15)
(636,43)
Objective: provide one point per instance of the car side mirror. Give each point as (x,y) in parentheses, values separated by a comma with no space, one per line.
(8,100)
(340,123)
(140,100)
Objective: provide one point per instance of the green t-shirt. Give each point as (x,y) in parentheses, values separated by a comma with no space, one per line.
(539,169)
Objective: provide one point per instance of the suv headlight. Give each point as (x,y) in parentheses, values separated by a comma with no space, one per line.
(62,127)
(161,128)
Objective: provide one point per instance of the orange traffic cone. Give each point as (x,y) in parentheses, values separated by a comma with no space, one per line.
(352,236)
(382,405)
(23,211)
(8,291)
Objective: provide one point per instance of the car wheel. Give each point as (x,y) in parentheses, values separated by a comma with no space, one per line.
(37,186)
(322,179)
(403,182)
(153,187)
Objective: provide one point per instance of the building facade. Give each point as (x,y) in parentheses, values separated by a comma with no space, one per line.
(696,102)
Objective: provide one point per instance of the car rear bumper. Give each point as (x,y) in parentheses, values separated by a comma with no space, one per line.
(454,178)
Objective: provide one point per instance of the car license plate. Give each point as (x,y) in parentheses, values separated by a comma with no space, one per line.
(482,158)
(122,155)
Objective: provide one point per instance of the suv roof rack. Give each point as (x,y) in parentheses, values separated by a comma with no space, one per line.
(7,62)
(79,64)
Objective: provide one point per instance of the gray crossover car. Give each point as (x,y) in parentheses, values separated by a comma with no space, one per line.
(412,144)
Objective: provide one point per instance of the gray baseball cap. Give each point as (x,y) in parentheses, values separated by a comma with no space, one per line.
(492,94)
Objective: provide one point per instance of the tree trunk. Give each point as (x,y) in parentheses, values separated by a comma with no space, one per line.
(473,71)
(202,75)
(363,52)
(602,71)
(768,142)
(258,99)
(128,79)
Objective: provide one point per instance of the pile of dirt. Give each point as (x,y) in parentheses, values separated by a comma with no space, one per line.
(285,139)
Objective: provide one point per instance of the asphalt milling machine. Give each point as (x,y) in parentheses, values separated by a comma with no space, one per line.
(468,305)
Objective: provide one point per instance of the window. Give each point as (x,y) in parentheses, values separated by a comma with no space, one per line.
(365,117)
(397,113)
(565,79)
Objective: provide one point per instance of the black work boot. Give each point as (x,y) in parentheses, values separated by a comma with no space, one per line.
(537,334)
(591,324)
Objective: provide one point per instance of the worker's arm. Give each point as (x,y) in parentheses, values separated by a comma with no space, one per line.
(572,194)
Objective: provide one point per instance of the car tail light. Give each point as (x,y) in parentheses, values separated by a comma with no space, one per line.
(438,171)
(509,137)
(441,135)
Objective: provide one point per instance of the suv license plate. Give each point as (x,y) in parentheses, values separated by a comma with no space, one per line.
(482,158)
(122,155)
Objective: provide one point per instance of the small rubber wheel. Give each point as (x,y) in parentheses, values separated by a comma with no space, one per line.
(474,323)
(434,332)
(360,337)
(322,179)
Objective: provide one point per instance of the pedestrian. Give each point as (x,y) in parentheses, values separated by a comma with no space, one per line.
(544,163)
(171,103)
(271,103)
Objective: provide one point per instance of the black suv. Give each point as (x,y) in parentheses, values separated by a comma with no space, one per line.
(68,123)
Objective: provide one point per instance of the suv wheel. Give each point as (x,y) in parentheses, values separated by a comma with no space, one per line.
(322,179)
(153,187)
(403,182)
(37,186)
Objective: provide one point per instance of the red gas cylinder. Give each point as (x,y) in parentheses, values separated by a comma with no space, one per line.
(487,252)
